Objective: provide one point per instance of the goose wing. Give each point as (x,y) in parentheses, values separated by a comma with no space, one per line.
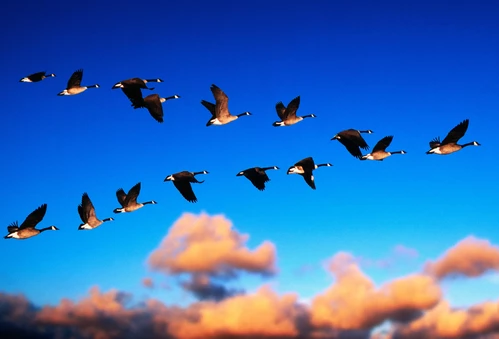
(75,79)
(456,133)
(121,195)
(222,102)
(34,217)
(280,109)
(351,147)
(209,106)
(185,188)
(154,106)
(307,164)
(383,144)
(292,108)
(132,195)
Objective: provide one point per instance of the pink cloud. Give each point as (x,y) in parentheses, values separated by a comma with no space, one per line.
(470,257)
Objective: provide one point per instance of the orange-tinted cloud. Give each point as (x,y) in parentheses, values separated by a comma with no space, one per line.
(471,257)
(148,282)
(445,322)
(208,244)
(353,301)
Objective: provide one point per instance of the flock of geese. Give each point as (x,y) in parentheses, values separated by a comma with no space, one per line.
(351,139)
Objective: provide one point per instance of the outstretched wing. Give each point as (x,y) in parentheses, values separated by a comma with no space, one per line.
(222,101)
(456,133)
(209,106)
(258,179)
(133,194)
(121,195)
(383,144)
(308,164)
(87,205)
(185,188)
(292,108)
(34,217)
(134,94)
(435,143)
(75,79)
(355,137)
(154,106)
(351,147)
(309,179)
(280,109)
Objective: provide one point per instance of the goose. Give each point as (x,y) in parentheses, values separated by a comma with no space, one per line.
(305,167)
(379,151)
(35,77)
(182,181)
(257,176)
(74,84)
(449,144)
(27,228)
(288,114)
(352,140)
(131,87)
(220,110)
(153,103)
(86,211)
(128,201)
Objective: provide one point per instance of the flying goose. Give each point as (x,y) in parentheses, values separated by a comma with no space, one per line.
(449,144)
(257,176)
(35,77)
(305,167)
(128,201)
(288,114)
(27,228)
(153,103)
(379,151)
(86,211)
(182,181)
(74,84)
(220,114)
(131,87)
(352,140)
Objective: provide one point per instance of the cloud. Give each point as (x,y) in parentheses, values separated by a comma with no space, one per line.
(445,322)
(208,244)
(204,289)
(399,253)
(353,301)
(148,282)
(470,257)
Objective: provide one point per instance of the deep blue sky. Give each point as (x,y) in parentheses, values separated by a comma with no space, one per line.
(412,69)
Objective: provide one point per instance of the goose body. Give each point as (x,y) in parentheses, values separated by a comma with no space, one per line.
(74,84)
(128,201)
(449,144)
(379,151)
(220,114)
(257,176)
(27,228)
(305,168)
(132,87)
(353,141)
(288,114)
(86,211)
(182,181)
(38,76)
(153,103)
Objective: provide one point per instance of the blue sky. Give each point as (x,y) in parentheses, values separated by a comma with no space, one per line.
(410,69)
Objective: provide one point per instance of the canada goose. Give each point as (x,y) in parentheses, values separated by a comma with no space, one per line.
(35,77)
(131,87)
(86,211)
(352,140)
(449,144)
(128,201)
(257,176)
(153,103)
(220,110)
(288,114)
(27,228)
(305,167)
(74,84)
(182,181)
(379,152)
